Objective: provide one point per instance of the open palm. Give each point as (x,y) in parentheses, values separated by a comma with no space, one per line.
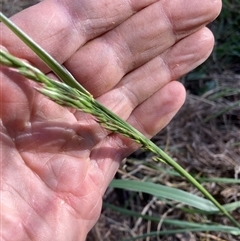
(56,162)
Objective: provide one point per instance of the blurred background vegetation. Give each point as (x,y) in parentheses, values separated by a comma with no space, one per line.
(226,53)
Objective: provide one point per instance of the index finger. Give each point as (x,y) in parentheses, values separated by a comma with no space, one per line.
(61,27)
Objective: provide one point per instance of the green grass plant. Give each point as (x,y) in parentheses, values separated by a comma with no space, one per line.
(68,92)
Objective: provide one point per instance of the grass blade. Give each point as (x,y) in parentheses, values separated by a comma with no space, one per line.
(176,223)
(161,191)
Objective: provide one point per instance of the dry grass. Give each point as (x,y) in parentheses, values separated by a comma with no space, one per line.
(202,138)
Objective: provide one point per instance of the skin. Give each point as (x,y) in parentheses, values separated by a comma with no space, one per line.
(56,163)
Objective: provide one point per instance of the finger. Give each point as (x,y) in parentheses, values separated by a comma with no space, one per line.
(157,111)
(101,64)
(149,118)
(140,84)
(61,27)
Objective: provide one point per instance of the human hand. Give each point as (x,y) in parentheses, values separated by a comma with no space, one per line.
(56,163)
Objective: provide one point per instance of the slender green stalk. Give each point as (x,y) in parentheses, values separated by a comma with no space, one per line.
(72,94)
